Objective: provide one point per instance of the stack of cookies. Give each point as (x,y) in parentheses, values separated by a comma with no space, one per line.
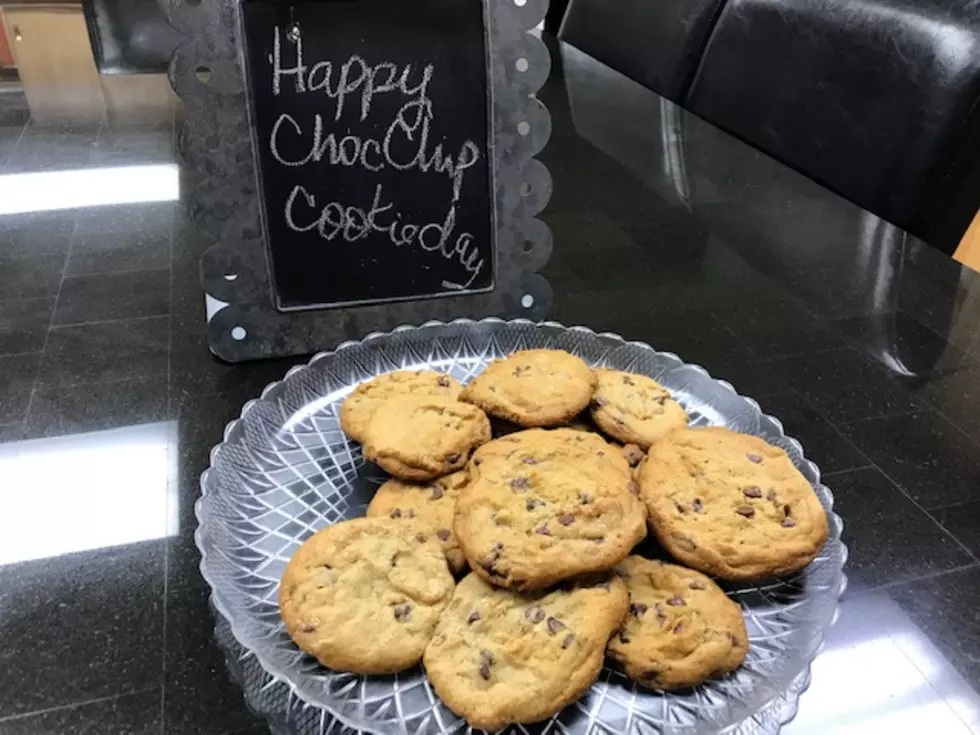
(545,518)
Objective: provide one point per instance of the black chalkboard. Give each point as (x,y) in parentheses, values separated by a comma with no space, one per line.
(395,202)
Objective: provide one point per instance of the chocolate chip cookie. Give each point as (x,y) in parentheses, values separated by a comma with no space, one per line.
(731,504)
(420,438)
(429,507)
(541,506)
(635,409)
(358,408)
(533,388)
(500,657)
(365,595)
(681,628)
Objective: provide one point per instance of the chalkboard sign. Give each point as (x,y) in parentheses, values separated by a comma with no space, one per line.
(371,121)
(358,165)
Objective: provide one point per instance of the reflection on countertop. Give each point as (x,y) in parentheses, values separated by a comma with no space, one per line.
(863,341)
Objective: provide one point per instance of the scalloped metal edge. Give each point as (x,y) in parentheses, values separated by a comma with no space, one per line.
(836,523)
(219,154)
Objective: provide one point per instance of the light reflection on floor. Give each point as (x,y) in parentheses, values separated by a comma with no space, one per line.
(87,491)
(45,191)
(879,673)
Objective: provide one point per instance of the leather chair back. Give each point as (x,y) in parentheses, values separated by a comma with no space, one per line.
(657,43)
(875,99)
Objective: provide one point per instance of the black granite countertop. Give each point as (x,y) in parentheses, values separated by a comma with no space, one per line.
(862,340)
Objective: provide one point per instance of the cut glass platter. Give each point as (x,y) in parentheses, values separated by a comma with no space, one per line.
(285,470)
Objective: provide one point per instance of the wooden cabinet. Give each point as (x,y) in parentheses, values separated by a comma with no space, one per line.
(53,54)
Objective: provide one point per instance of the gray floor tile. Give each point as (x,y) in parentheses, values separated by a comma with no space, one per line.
(963,521)
(84,408)
(924,454)
(130,714)
(31,277)
(945,608)
(199,696)
(24,324)
(80,626)
(36,234)
(17,374)
(113,296)
(104,352)
(113,252)
(889,538)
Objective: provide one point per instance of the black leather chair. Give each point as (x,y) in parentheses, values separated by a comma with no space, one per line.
(658,43)
(130,36)
(875,99)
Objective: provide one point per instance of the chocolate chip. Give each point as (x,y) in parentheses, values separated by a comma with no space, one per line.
(474,616)
(679,627)
(680,508)
(543,530)
(519,483)
(486,661)
(661,400)
(601,453)
(599,540)
(697,506)
(627,380)
(787,510)
(454,458)
(534,614)
(437,492)
(488,564)
(568,640)
(444,534)
(754,458)
(788,522)
(396,513)
(771,495)
(477,461)
(623,638)
(566,519)
(634,488)
(752,492)
(409,513)
(745,510)
(421,538)
(695,585)
(308,628)
(661,615)
(676,601)
(633,454)
(533,503)
(583,497)
(443,381)
(554,625)
(529,460)
(619,421)
(637,609)
(650,675)
(599,402)
(402,612)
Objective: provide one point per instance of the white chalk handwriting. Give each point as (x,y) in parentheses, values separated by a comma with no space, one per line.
(406,143)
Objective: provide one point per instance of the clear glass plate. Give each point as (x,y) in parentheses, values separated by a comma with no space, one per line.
(286,470)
